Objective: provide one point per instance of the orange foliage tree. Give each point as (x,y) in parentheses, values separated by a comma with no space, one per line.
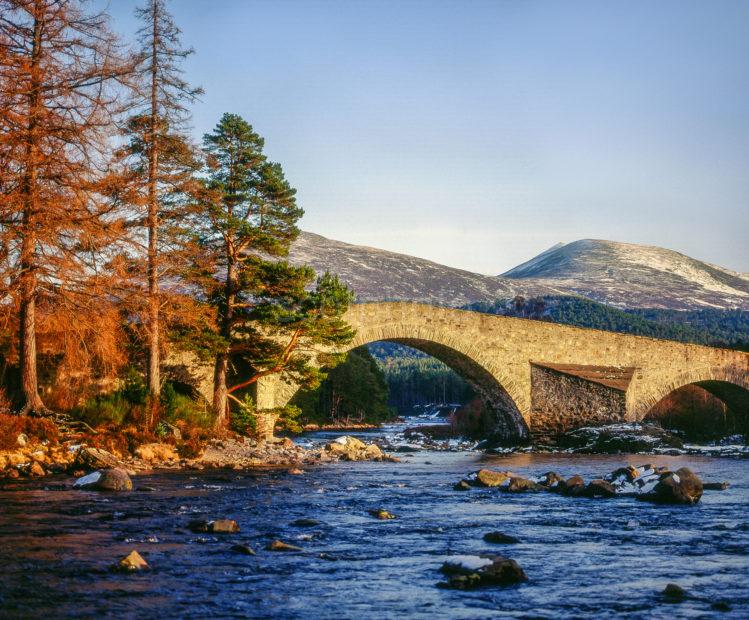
(61,78)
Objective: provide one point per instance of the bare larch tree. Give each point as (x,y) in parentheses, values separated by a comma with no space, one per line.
(61,73)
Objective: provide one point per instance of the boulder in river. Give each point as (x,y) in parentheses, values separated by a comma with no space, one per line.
(470,572)
(132,562)
(279,545)
(217,526)
(674,592)
(36,470)
(490,478)
(600,488)
(517,484)
(550,480)
(382,514)
(349,448)
(114,479)
(243,549)
(572,486)
(462,486)
(680,487)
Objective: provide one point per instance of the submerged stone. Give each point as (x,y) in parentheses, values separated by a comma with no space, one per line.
(715,486)
(500,538)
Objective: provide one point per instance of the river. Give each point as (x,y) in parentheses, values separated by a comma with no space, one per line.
(584,557)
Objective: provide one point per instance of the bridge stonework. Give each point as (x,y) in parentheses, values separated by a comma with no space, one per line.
(511,362)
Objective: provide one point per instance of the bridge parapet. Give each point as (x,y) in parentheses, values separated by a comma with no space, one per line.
(497,354)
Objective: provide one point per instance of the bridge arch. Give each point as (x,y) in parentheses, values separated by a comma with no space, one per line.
(466,359)
(502,393)
(726,384)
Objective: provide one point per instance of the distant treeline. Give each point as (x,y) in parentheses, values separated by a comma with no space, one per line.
(710,326)
(415,378)
(354,392)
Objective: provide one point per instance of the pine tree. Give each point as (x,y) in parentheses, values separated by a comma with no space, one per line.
(267,317)
(166,159)
(60,74)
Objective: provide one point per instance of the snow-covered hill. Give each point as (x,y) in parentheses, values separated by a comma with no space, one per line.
(621,274)
(630,275)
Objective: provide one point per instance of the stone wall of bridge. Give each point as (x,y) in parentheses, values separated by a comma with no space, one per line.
(495,354)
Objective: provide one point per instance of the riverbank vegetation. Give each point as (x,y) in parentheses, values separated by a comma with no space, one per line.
(130,255)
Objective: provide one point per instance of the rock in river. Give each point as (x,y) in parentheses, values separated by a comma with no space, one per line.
(674,592)
(106,480)
(279,545)
(517,484)
(133,561)
(500,538)
(469,572)
(218,526)
(572,486)
(680,487)
(715,486)
(382,514)
(489,478)
(600,488)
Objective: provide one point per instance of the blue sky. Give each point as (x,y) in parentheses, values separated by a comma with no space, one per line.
(477,134)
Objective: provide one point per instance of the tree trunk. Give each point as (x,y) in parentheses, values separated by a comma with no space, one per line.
(154,368)
(220,399)
(220,389)
(32,402)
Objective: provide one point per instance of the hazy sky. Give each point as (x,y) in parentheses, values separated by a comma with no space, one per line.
(477,134)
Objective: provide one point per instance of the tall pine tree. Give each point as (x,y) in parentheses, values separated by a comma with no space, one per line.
(269,314)
(164,157)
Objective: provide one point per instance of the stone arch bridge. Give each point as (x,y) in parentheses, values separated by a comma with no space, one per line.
(540,376)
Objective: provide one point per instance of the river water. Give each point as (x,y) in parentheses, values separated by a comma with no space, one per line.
(584,557)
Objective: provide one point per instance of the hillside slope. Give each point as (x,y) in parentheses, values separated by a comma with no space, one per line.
(620,274)
(379,275)
(629,275)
